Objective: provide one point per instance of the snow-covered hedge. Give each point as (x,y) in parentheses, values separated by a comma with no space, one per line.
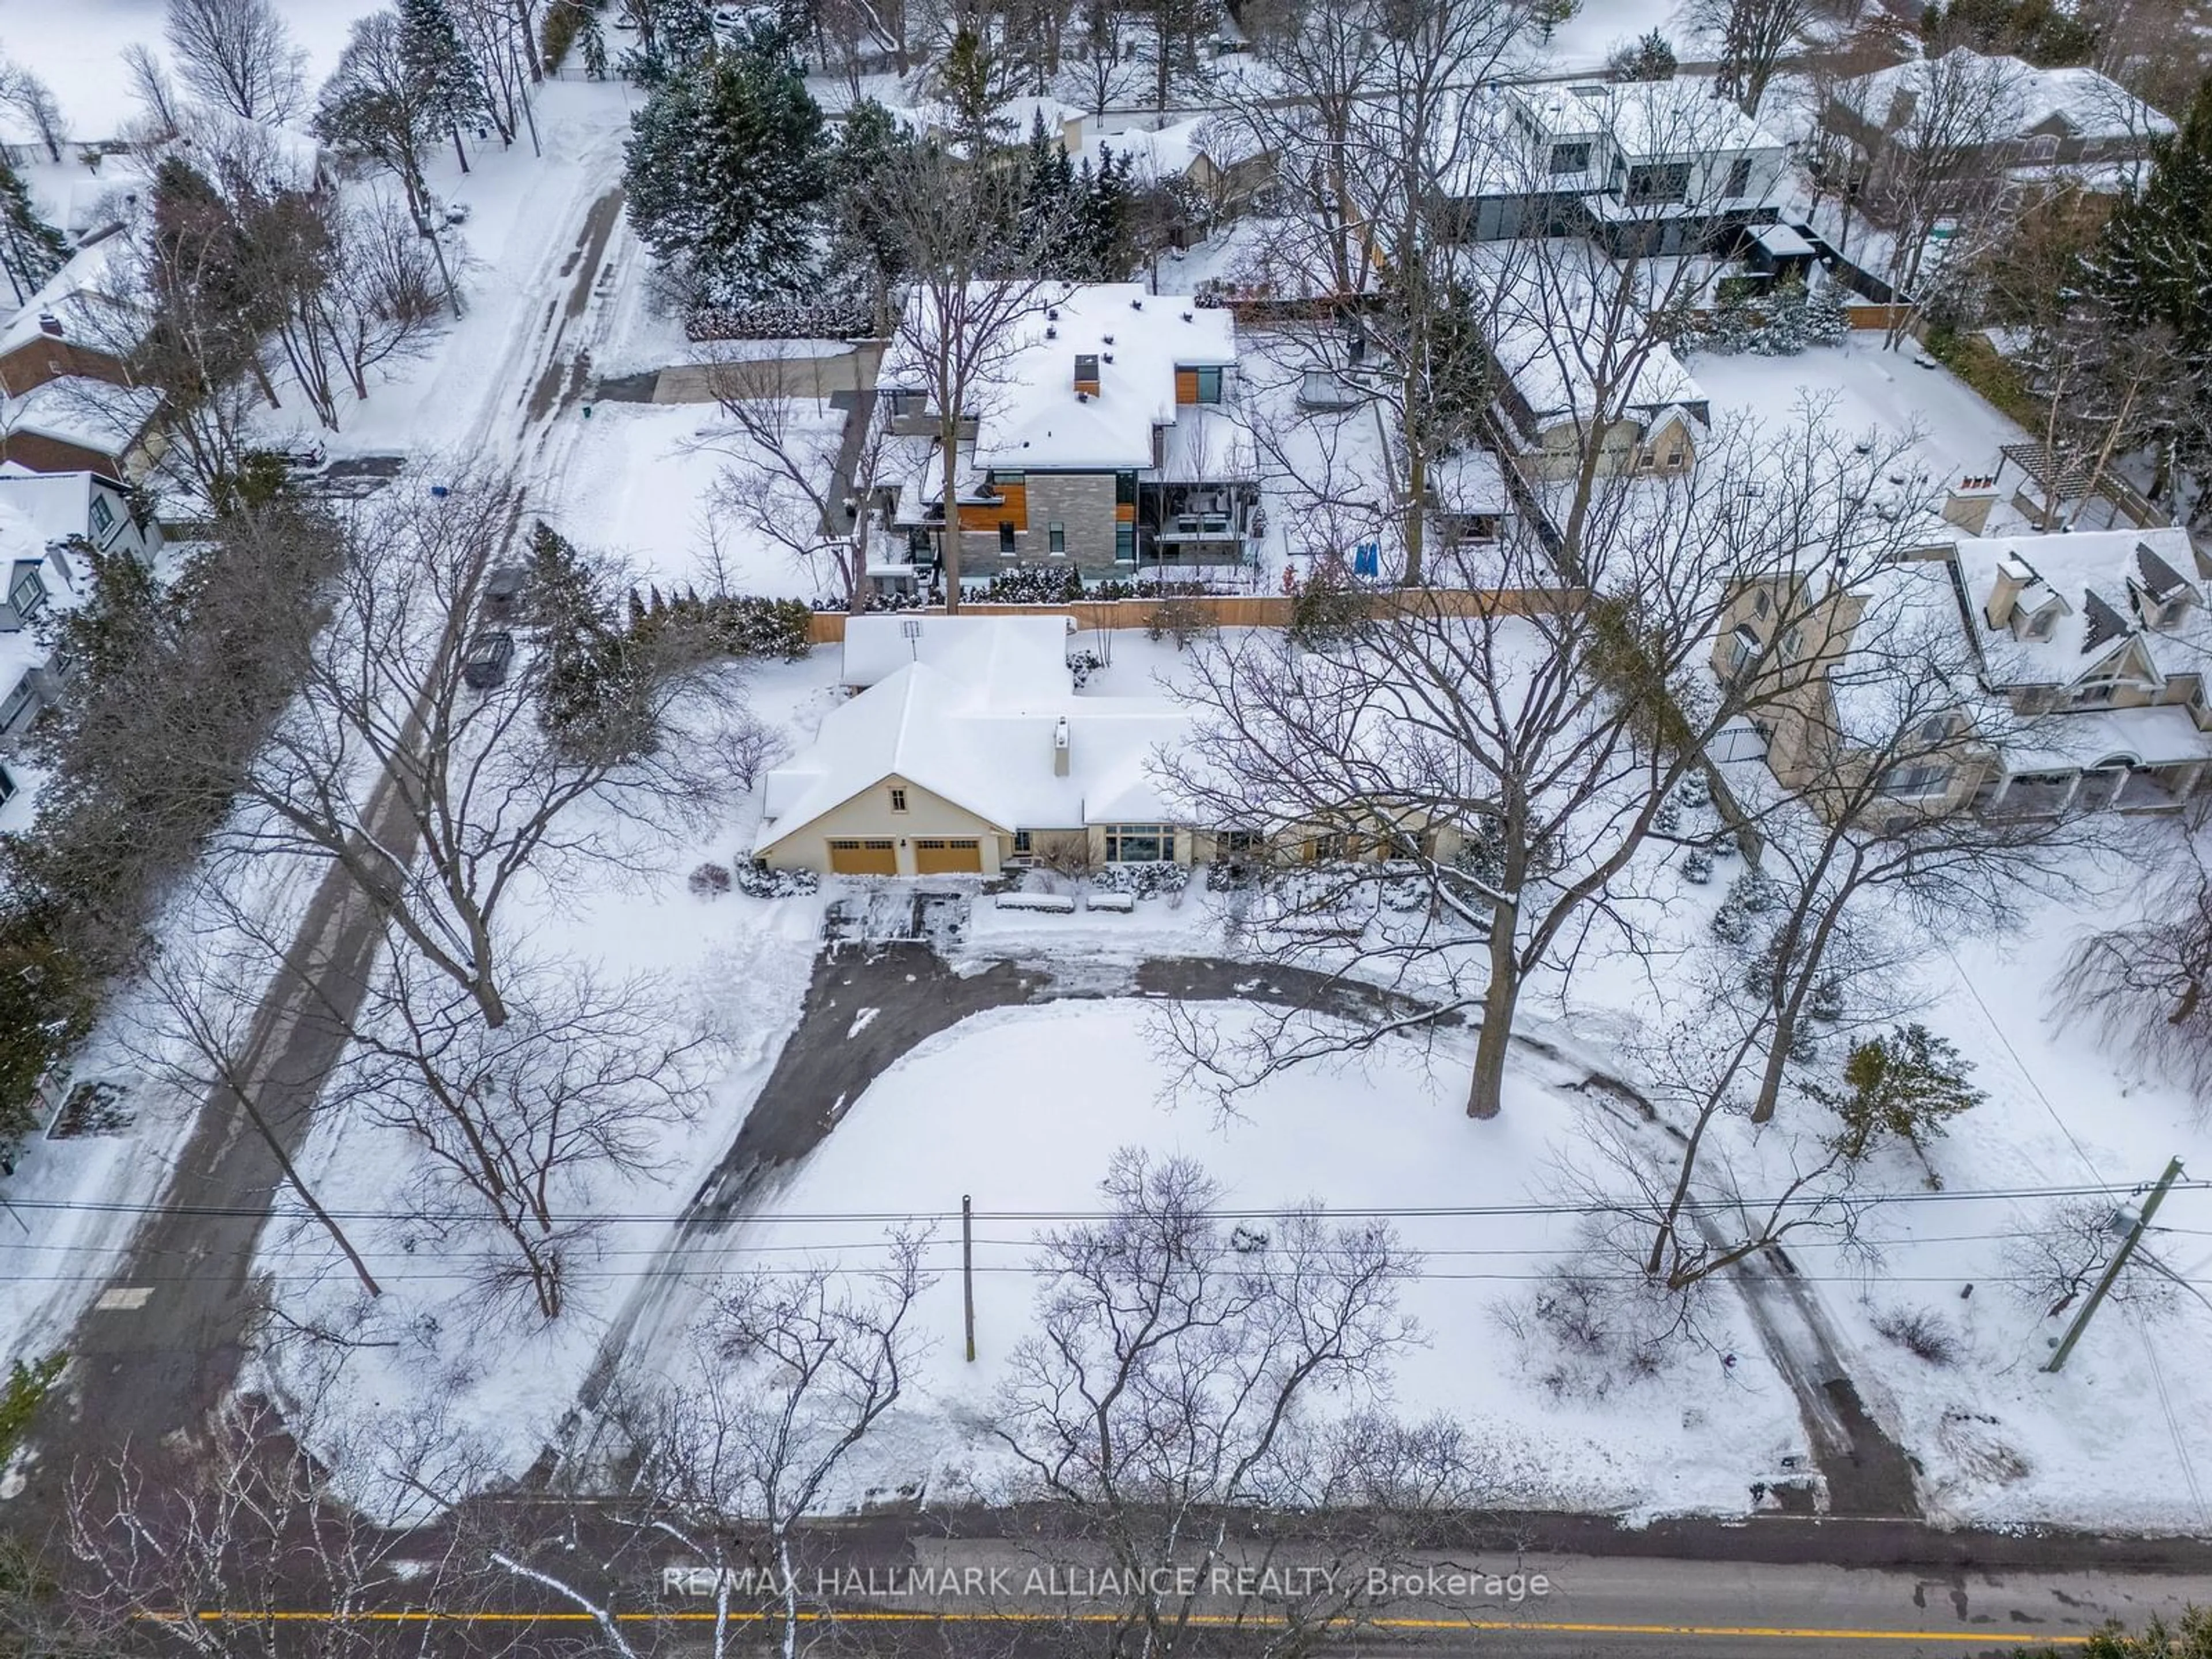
(1120,904)
(756,882)
(1143,880)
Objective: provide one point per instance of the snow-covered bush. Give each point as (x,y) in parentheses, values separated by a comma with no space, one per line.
(1921,1334)
(1592,1329)
(1143,880)
(1083,664)
(709,881)
(1752,895)
(755,882)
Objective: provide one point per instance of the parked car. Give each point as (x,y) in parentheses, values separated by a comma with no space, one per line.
(487,660)
(502,591)
(304,459)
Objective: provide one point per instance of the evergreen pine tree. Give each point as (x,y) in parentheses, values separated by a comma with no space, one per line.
(1109,214)
(1782,332)
(1906,1086)
(31,250)
(453,92)
(725,173)
(1827,322)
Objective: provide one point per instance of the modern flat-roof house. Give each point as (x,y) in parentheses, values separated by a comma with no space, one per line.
(1102,442)
(1998,114)
(1646,168)
(965,750)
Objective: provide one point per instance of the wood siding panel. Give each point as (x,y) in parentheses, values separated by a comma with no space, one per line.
(1186,385)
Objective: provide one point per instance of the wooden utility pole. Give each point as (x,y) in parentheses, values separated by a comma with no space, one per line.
(2119,1260)
(968,1268)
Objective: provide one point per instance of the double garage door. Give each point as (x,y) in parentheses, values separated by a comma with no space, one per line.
(931,858)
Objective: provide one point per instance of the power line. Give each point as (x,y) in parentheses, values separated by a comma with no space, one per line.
(1361,1212)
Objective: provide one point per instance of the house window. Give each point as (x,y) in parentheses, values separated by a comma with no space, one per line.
(1125,489)
(1738,179)
(1674,458)
(2096,694)
(1239,843)
(1792,643)
(1571,158)
(27,593)
(1761,603)
(7,786)
(1125,543)
(998,478)
(1659,181)
(1139,843)
(1209,385)
(1907,783)
(898,800)
(2042,148)
(1743,649)
(103,517)
(1006,537)
(1056,537)
(1021,843)
(17,701)
(1936,728)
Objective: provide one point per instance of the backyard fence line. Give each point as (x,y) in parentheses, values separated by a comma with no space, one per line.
(1225,610)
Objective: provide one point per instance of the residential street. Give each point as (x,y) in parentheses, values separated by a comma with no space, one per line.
(162,1343)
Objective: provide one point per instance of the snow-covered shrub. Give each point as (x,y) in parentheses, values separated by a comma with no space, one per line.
(1034,586)
(1827,322)
(1697,866)
(1752,895)
(1143,880)
(1921,1334)
(755,882)
(1591,1329)
(1083,664)
(709,881)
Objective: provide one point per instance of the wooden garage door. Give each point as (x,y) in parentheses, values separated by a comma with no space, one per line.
(946,858)
(863,858)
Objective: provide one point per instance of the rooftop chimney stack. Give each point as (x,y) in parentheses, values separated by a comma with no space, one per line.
(1060,745)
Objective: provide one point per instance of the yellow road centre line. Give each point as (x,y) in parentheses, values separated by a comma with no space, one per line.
(1533,1626)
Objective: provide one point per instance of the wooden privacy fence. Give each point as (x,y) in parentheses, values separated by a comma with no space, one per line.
(1227,611)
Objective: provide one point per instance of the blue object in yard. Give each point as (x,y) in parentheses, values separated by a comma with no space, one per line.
(1367,559)
(439,491)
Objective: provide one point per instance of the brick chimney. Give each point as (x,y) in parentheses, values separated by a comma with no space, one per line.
(1060,747)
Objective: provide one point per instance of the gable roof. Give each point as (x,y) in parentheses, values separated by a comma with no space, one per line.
(978,728)
(2096,583)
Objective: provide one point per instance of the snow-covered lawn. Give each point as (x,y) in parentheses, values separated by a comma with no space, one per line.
(1022,1109)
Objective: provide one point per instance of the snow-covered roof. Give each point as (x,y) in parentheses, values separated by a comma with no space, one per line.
(1004,655)
(1169,150)
(1555,363)
(1030,414)
(980,727)
(1646,120)
(58,505)
(2156,735)
(82,301)
(2103,590)
(76,409)
(2077,102)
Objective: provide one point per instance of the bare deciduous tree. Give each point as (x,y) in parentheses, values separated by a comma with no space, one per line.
(237,55)
(487,771)
(780,1379)
(1754,37)
(1506,759)
(971,304)
(2145,986)
(527,1118)
(30,98)
(1179,1373)
(786,481)
(237,1522)
(150,81)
